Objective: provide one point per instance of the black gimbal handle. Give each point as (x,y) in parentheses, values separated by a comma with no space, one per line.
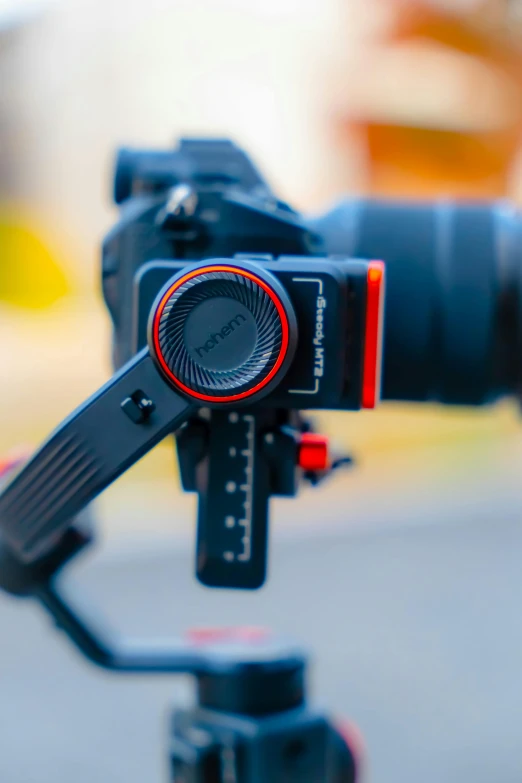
(107,434)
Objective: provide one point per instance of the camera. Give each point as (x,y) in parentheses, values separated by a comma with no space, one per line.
(453,322)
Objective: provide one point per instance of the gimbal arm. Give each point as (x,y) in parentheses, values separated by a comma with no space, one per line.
(135,410)
(42,582)
(104,647)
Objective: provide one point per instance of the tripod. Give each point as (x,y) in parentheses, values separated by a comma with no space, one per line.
(250,722)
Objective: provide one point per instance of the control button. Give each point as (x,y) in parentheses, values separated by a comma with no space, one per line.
(313,452)
(138,407)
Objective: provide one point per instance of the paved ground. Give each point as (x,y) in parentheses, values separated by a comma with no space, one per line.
(417,635)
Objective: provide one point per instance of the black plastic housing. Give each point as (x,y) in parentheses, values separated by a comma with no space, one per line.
(235,212)
(326,371)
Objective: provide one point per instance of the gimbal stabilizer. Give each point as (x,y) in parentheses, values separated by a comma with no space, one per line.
(231,315)
(234,346)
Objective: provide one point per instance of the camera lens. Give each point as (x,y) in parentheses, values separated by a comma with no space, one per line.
(453,305)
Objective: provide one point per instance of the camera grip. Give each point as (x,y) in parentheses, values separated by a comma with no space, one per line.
(108,433)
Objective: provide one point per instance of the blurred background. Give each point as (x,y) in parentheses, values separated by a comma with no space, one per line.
(417,605)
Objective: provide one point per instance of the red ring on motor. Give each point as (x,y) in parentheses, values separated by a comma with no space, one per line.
(237,271)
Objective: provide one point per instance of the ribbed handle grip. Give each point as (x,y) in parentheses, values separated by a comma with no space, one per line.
(88,451)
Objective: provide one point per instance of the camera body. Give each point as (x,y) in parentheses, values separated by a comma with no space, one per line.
(203,200)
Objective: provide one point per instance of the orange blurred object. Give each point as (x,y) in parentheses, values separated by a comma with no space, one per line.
(436,97)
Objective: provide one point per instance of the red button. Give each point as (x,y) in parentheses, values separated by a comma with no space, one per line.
(313,452)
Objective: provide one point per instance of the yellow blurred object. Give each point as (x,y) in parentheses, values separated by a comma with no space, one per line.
(30,275)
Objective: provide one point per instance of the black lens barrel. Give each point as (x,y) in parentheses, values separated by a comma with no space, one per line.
(453,305)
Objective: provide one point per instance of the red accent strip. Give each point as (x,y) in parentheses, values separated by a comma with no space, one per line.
(373,334)
(238,271)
